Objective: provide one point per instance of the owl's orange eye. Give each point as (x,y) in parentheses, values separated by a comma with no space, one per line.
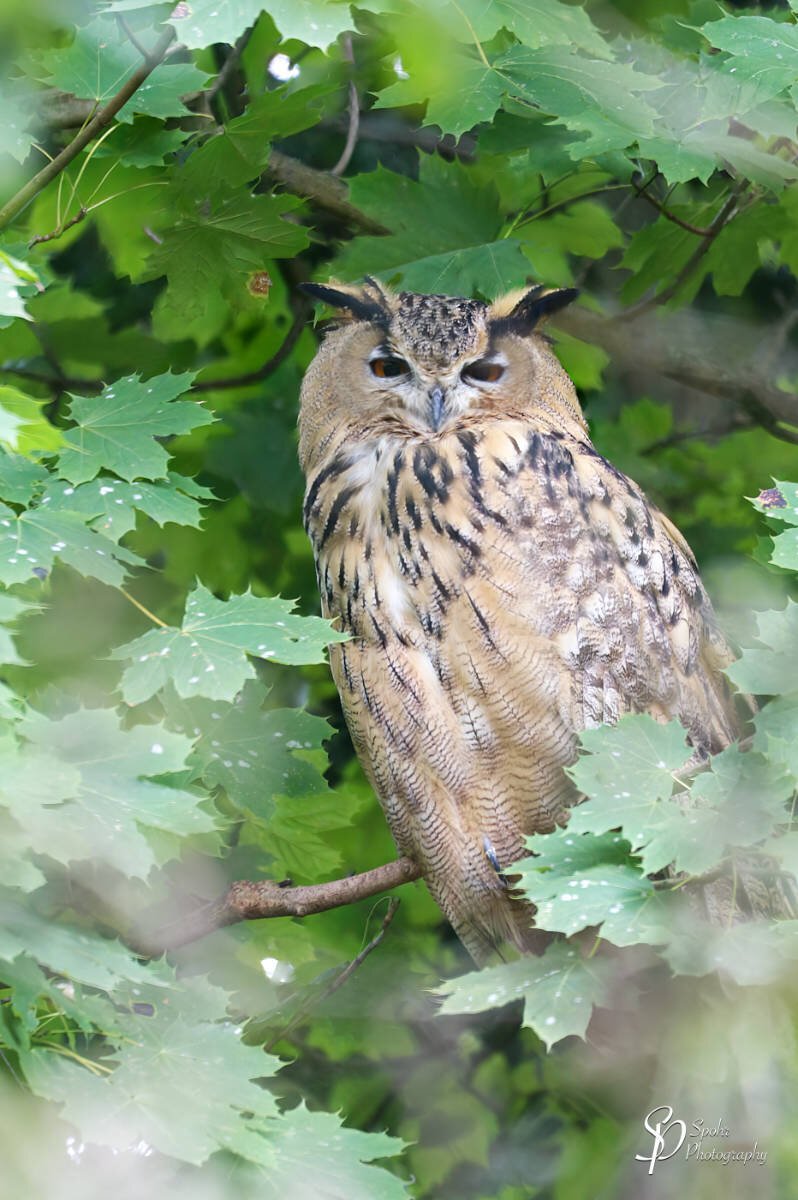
(389,368)
(483,371)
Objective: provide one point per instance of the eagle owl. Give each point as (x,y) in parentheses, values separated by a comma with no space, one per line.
(504,586)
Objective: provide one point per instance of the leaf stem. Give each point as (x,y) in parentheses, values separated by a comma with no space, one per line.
(473,33)
(137,604)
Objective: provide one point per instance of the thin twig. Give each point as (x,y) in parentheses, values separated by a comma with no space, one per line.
(99,122)
(340,979)
(724,216)
(271,364)
(644,194)
(383,126)
(53,382)
(322,189)
(253,901)
(79,216)
(352,131)
(230,64)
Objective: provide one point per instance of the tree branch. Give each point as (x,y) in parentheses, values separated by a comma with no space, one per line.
(723,217)
(643,193)
(706,352)
(250,901)
(99,122)
(351,133)
(339,980)
(322,189)
(271,364)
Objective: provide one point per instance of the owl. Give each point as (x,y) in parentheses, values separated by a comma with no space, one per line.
(504,586)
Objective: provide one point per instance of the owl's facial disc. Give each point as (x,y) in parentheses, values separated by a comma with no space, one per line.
(432,395)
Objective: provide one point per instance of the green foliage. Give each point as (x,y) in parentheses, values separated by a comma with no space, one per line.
(166,727)
(99,60)
(206,656)
(557,991)
(118,430)
(446,235)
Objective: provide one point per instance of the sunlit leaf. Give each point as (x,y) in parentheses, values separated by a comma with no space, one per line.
(30,431)
(16,281)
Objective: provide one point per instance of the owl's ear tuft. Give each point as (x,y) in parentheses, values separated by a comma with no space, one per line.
(521,315)
(359,304)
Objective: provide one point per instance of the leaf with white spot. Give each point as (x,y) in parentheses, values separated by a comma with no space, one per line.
(111,504)
(590,885)
(20,478)
(558,989)
(201,23)
(15,138)
(564,852)
(332,1160)
(749,794)
(32,541)
(254,753)
(179,1086)
(84,788)
(118,429)
(761,49)
(630,766)
(688,837)
(314,22)
(208,655)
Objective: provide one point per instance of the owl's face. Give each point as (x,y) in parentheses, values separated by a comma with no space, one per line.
(420,366)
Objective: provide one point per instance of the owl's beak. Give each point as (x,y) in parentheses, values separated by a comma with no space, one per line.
(435,407)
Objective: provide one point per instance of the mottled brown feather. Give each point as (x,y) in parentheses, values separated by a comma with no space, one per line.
(505,587)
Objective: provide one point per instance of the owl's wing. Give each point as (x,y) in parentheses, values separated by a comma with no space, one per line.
(571,550)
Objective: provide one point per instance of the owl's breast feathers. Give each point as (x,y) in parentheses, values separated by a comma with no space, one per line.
(505,587)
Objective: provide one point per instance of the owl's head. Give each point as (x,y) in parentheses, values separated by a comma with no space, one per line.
(422,366)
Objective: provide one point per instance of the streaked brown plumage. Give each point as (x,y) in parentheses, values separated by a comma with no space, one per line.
(505,586)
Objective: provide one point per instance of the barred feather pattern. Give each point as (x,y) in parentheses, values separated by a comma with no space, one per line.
(505,587)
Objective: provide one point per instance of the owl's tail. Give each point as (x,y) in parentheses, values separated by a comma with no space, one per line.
(487,916)
(500,922)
